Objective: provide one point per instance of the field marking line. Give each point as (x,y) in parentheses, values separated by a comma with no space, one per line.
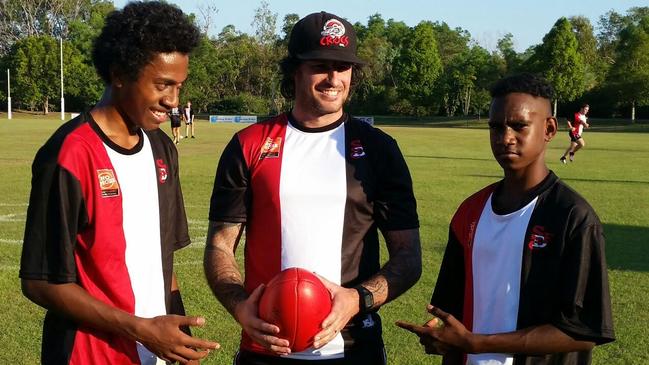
(10,241)
(12,217)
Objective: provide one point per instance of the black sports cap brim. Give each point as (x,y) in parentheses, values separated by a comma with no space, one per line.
(330,55)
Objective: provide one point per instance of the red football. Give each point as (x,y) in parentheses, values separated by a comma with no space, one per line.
(297,302)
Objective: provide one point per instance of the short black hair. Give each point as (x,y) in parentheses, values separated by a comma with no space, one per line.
(526,83)
(289,65)
(131,37)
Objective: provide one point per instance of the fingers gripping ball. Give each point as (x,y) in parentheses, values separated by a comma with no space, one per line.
(297,302)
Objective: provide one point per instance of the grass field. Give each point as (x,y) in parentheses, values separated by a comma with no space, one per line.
(447,164)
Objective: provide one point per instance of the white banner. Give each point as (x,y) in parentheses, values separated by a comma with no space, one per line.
(233,119)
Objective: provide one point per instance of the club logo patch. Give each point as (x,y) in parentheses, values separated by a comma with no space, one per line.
(357,150)
(108,184)
(162,170)
(270,148)
(333,34)
(539,238)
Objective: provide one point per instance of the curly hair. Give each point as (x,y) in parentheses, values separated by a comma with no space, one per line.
(131,38)
(526,83)
(289,65)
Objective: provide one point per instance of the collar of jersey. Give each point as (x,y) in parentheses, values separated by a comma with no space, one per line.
(539,189)
(297,125)
(112,145)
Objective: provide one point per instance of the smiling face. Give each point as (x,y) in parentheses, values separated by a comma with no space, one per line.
(145,102)
(321,89)
(520,126)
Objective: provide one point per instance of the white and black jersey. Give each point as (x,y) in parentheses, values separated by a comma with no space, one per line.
(541,264)
(314,198)
(108,219)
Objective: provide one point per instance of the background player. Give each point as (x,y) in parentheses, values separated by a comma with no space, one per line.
(575,131)
(105,206)
(523,279)
(188,116)
(311,187)
(175,116)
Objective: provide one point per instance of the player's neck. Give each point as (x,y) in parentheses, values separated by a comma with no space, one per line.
(113,123)
(311,120)
(517,184)
(515,191)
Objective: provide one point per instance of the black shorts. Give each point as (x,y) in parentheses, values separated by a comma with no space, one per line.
(175,123)
(365,355)
(574,137)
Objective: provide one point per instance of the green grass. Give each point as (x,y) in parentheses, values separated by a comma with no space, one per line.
(447,164)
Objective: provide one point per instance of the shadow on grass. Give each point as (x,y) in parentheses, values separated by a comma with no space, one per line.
(626,247)
(587,148)
(450,158)
(605,181)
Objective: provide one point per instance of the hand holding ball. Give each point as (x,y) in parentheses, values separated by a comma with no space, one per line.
(297,302)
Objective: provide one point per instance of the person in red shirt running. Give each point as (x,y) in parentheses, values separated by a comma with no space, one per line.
(575,131)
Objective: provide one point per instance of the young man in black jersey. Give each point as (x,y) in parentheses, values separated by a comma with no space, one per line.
(106,209)
(523,279)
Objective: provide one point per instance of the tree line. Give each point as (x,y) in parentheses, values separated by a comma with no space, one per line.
(429,69)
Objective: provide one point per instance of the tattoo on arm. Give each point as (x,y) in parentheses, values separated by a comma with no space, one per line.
(402,270)
(221,269)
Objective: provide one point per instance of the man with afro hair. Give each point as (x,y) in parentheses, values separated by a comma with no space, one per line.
(523,279)
(105,206)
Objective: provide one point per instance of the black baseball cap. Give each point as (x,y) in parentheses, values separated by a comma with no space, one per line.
(323,36)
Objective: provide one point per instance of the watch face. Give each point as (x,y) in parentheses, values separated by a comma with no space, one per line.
(369,300)
(366,298)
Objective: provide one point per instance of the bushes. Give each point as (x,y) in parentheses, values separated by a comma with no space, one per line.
(243,103)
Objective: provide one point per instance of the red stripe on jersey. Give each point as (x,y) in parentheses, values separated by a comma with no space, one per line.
(464,225)
(263,230)
(95,261)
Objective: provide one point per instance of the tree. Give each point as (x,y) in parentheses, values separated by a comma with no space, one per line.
(450,42)
(202,85)
(594,68)
(559,60)
(466,80)
(35,61)
(28,18)
(287,26)
(508,53)
(264,24)
(83,87)
(418,67)
(629,76)
(208,13)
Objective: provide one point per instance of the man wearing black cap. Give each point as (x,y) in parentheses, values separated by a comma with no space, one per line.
(311,188)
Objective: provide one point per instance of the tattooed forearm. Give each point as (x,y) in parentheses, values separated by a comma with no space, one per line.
(402,270)
(221,269)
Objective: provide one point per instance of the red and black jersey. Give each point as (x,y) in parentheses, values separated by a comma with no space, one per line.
(578,124)
(558,277)
(108,219)
(314,198)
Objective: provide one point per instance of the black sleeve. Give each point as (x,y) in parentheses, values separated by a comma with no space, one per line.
(395,207)
(585,299)
(449,288)
(56,213)
(231,195)
(180,225)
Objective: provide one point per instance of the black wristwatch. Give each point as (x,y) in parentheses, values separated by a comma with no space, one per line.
(365,299)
